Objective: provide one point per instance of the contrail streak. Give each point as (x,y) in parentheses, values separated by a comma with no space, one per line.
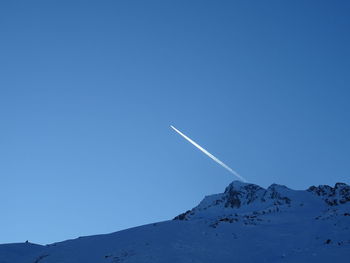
(209,155)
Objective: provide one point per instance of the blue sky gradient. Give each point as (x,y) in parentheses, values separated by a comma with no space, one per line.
(88,90)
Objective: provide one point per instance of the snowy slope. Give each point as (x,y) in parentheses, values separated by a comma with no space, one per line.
(246,223)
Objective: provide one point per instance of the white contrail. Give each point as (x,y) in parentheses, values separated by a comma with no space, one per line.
(209,155)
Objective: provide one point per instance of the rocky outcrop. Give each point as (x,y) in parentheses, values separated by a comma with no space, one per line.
(250,198)
(237,194)
(337,195)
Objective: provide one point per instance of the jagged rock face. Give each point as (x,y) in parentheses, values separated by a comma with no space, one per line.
(243,197)
(236,194)
(339,194)
(274,193)
(246,194)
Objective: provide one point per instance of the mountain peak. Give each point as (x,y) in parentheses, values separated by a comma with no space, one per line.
(240,197)
(339,194)
(237,184)
(273,225)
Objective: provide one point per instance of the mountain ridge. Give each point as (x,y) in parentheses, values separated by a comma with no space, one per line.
(245,223)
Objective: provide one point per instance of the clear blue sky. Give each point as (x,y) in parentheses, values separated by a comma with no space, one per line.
(88,90)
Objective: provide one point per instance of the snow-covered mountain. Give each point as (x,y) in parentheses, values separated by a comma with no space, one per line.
(246,223)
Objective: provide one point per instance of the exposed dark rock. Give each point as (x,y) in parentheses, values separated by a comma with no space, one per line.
(182,216)
(333,196)
(40,258)
(233,199)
